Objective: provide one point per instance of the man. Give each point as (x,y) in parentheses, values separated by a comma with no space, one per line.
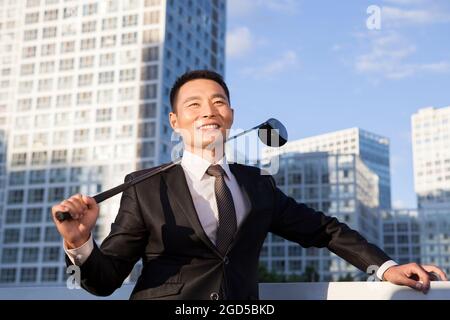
(199,226)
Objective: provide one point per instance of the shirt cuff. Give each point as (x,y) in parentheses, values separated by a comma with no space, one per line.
(79,255)
(384,267)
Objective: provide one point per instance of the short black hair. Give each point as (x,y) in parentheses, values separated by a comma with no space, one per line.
(193,75)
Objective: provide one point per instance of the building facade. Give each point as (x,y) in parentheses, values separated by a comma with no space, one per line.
(431,153)
(84,100)
(338,185)
(401,234)
(373,149)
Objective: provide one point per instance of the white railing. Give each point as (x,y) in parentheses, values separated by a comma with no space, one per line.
(268,291)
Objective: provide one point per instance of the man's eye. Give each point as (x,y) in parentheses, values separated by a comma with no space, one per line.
(195,104)
(219,102)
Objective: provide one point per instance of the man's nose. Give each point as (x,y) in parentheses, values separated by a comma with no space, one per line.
(208,110)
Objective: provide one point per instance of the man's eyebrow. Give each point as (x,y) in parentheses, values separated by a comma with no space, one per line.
(218,95)
(191,98)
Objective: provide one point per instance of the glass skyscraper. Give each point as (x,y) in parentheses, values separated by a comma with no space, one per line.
(84,100)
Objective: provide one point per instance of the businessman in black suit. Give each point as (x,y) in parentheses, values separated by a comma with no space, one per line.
(199,226)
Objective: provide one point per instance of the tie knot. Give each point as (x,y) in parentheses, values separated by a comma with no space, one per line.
(215,171)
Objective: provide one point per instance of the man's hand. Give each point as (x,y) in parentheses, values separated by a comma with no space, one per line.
(84,211)
(413,275)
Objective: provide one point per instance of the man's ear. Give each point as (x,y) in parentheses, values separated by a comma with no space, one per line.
(173,119)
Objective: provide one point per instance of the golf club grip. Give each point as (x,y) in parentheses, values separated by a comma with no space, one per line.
(63,216)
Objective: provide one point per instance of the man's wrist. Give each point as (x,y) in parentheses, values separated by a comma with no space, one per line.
(384,267)
(76,244)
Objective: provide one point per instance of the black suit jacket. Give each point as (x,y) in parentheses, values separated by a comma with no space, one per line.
(157,223)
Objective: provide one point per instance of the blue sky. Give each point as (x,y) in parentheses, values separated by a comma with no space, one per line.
(316,66)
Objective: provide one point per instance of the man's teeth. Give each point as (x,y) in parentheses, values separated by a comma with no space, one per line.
(210,126)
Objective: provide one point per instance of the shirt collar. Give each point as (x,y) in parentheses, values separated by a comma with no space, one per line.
(197,166)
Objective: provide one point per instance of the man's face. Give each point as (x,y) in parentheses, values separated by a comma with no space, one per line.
(202,114)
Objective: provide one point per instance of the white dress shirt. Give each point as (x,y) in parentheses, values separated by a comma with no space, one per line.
(201,187)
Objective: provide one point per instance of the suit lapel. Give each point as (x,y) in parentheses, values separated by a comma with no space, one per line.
(180,195)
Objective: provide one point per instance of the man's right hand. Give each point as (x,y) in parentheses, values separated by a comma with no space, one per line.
(84,211)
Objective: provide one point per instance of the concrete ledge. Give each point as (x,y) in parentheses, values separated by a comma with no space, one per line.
(268,291)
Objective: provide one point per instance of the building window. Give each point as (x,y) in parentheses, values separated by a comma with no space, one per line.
(13,216)
(151,17)
(85,80)
(35,195)
(31,17)
(43,103)
(103,115)
(8,275)
(33,215)
(51,234)
(58,175)
(90,9)
(127,75)
(65,82)
(151,36)
(147,130)
(48,49)
(87,44)
(66,64)
(55,194)
(39,158)
(129,20)
(49,32)
(148,91)
(109,23)
(51,15)
(106,77)
(108,41)
(11,236)
(79,155)
(59,156)
(107,59)
(149,73)
(129,38)
(84,98)
(10,255)
(17,178)
(15,196)
(70,12)
(37,176)
(28,274)
(86,62)
(32,234)
(150,54)
(126,94)
(81,135)
(103,133)
(27,69)
(89,26)
(68,46)
(50,254)
(49,274)
(146,149)
(147,110)
(24,105)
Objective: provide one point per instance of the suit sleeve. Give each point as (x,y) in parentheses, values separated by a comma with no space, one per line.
(309,228)
(108,266)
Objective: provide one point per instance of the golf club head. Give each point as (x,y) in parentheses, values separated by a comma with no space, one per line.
(273,133)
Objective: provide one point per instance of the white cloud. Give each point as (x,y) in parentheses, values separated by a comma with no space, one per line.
(389,57)
(405,2)
(239,42)
(287,61)
(393,16)
(245,7)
